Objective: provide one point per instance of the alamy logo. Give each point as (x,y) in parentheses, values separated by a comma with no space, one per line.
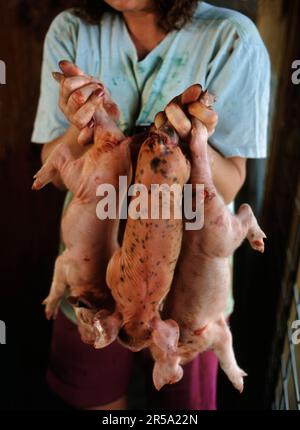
(160,201)
(2,333)
(2,73)
(296,74)
(296,332)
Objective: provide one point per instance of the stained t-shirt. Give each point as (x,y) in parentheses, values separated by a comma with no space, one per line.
(221,49)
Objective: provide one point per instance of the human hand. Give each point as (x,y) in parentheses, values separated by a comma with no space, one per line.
(193,102)
(80,97)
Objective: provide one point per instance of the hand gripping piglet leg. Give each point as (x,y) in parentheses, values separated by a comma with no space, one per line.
(239,226)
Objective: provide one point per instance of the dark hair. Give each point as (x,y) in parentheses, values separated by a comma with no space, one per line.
(173,14)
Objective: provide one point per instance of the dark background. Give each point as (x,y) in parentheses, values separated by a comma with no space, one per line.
(29,221)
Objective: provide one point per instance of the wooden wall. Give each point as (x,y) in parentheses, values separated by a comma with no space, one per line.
(29,221)
(282,198)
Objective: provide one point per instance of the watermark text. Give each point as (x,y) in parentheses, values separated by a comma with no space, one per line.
(2,73)
(2,333)
(296,332)
(157,201)
(296,73)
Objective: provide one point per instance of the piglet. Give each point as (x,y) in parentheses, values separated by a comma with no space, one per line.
(89,241)
(200,290)
(140,273)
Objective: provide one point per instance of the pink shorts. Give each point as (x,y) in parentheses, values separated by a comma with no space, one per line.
(85,377)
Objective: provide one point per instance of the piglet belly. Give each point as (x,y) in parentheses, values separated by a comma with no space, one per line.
(141,275)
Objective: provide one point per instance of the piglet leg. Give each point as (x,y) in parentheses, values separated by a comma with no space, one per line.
(107,326)
(252,230)
(63,160)
(57,289)
(222,347)
(243,224)
(45,175)
(167,369)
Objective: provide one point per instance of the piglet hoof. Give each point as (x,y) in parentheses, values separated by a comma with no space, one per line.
(237,379)
(256,238)
(45,175)
(37,185)
(51,307)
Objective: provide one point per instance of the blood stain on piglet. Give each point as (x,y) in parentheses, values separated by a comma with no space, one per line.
(199,331)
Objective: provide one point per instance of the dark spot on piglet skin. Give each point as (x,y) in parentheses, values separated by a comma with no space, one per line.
(154,163)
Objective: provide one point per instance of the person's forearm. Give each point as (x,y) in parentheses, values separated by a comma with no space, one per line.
(70,136)
(228,174)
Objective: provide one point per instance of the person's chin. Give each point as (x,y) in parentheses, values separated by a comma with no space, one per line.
(125,6)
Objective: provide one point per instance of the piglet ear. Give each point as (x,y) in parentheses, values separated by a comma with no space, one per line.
(165,335)
(85,323)
(167,371)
